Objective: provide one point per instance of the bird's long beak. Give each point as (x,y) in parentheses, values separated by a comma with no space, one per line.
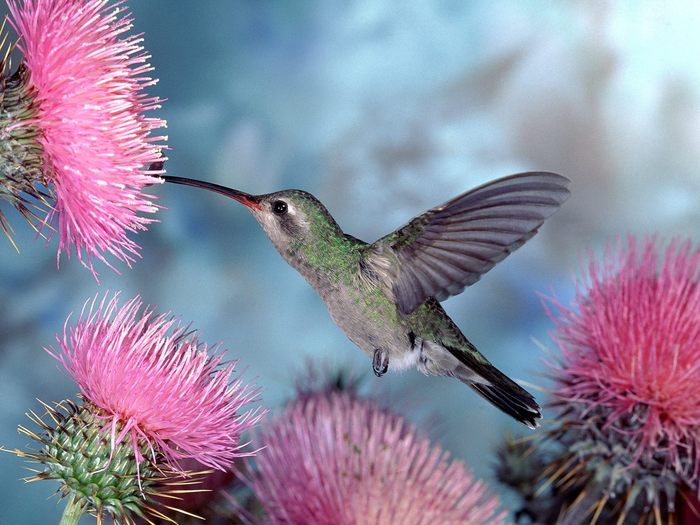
(251,201)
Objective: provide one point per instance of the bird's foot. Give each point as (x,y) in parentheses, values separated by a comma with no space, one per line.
(380,362)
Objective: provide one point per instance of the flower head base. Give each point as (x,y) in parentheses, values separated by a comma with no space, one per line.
(21,154)
(154,382)
(85,88)
(210,502)
(627,380)
(105,477)
(333,458)
(517,461)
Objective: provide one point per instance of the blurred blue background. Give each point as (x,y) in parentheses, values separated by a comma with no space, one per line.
(382,110)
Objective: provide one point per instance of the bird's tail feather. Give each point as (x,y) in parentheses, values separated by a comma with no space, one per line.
(518,404)
(497,388)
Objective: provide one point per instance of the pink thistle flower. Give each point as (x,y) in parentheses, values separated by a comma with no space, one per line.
(87,78)
(332,458)
(627,379)
(154,381)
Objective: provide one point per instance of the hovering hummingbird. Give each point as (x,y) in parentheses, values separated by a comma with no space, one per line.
(385,295)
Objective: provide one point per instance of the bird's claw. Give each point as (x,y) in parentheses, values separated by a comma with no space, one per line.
(380,362)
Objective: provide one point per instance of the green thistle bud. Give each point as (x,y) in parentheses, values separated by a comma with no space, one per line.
(100,475)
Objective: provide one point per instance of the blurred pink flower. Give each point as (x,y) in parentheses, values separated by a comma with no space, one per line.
(153,379)
(628,375)
(87,77)
(332,458)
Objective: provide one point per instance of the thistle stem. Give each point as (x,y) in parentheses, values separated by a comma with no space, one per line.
(71,514)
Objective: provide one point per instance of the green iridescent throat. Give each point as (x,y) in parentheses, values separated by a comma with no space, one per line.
(328,250)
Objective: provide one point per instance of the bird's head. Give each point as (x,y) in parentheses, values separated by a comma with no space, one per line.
(288,217)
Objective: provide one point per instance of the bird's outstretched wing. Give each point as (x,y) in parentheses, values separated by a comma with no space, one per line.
(447,248)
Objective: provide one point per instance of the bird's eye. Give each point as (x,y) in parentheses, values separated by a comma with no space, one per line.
(279,207)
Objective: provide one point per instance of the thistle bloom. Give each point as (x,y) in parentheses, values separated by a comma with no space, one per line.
(152,397)
(332,458)
(627,379)
(151,377)
(80,109)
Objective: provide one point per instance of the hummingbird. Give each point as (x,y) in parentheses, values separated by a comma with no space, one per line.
(386,295)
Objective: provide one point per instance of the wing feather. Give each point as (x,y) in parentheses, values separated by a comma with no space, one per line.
(449,247)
